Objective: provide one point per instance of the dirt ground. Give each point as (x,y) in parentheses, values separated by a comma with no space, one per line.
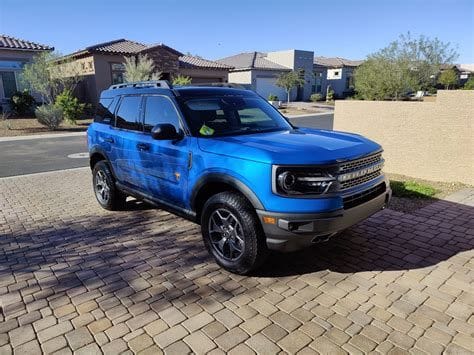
(404,204)
(29,126)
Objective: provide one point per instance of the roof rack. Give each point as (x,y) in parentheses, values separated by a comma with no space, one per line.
(143,84)
(222,85)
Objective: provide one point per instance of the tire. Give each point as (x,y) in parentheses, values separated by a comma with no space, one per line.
(242,231)
(105,191)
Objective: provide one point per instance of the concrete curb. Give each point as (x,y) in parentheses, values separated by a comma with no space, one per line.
(43,173)
(42,136)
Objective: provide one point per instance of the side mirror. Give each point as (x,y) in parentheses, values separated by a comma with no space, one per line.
(165,131)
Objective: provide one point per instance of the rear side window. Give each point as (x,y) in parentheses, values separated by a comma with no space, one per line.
(160,109)
(128,114)
(104,111)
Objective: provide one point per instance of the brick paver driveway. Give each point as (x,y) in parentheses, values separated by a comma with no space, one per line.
(76,278)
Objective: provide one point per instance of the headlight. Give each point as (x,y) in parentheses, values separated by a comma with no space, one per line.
(297,181)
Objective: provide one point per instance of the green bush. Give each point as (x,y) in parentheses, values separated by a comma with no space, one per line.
(330,95)
(272,97)
(469,85)
(71,107)
(22,103)
(50,116)
(181,80)
(316,97)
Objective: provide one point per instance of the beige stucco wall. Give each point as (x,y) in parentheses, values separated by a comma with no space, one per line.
(429,140)
(241,77)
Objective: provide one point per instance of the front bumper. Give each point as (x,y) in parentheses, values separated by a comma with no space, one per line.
(293,231)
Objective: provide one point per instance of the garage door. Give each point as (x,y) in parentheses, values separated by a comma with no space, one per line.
(267,86)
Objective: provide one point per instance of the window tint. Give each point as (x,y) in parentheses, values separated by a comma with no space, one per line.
(159,109)
(128,113)
(104,111)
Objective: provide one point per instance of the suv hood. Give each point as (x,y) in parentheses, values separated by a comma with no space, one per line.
(299,146)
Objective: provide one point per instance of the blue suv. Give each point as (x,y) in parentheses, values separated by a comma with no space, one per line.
(225,158)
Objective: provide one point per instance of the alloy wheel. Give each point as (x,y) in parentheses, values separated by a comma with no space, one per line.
(226,234)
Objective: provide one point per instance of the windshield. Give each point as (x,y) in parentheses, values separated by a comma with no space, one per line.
(229,115)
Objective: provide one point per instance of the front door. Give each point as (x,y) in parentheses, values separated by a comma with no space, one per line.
(165,162)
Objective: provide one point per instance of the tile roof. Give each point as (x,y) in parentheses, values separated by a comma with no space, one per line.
(251,60)
(187,61)
(121,46)
(7,42)
(336,62)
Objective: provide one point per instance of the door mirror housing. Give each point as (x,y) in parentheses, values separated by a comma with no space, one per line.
(165,131)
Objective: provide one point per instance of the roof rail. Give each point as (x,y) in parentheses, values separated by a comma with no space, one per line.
(222,85)
(143,84)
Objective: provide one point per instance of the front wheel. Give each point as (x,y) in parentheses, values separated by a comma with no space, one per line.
(232,233)
(106,193)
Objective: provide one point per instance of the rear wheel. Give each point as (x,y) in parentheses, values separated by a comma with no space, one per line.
(232,233)
(105,191)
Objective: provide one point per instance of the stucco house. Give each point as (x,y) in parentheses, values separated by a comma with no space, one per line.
(259,71)
(14,54)
(335,73)
(102,65)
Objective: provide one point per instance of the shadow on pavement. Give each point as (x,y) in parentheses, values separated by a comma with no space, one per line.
(151,256)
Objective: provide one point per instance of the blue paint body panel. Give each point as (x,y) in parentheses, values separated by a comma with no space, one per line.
(170,170)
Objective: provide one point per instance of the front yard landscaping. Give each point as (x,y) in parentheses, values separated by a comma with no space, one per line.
(410,194)
(23,126)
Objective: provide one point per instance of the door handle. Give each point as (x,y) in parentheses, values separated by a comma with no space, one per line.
(109,140)
(143,146)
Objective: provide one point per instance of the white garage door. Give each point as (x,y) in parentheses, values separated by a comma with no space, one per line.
(267,86)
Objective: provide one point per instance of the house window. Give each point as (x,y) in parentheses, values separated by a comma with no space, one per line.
(117,70)
(9,83)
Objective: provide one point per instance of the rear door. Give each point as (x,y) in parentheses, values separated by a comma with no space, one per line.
(129,130)
(165,162)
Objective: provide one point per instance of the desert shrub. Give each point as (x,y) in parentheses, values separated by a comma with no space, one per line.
(70,106)
(316,97)
(469,85)
(22,103)
(50,116)
(181,80)
(330,95)
(272,97)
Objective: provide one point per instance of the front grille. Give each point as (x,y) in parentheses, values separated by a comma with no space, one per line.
(353,165)
(359,171)
(362,197)
(360,180)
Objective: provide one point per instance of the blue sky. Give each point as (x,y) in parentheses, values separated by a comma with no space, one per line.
(218,28)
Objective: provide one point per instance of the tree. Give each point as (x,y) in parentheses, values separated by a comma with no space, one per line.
(448,78)
(47,76)
(140,68)
(469,85)
(288,81)
(407,64)
(182,80)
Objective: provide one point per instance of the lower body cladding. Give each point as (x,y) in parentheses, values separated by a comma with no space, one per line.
(293,231)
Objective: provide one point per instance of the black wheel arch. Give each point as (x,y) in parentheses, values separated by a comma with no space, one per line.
(213,183)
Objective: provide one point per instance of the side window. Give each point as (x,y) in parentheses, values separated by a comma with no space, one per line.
(159,109)
(104,111)
(128,114)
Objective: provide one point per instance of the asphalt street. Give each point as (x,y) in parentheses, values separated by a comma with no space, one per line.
(38,155)
(28,156)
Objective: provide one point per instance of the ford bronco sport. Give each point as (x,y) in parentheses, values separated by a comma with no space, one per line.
(228,160)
